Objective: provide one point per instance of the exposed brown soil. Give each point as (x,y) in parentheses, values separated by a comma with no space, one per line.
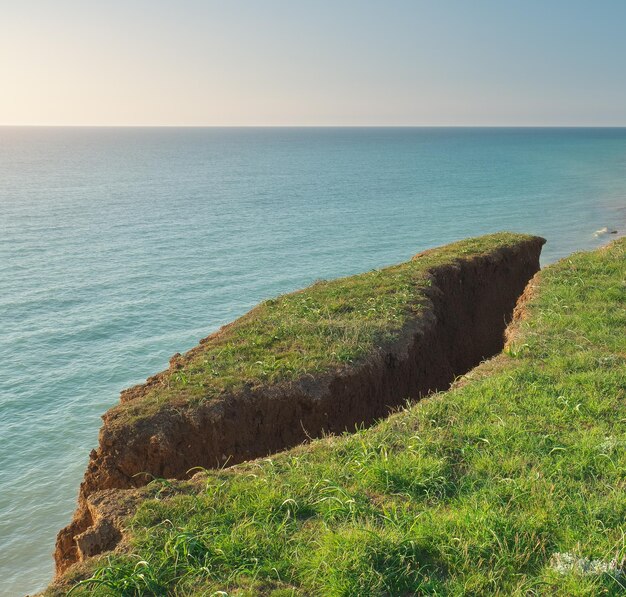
(469,306)
(520,312)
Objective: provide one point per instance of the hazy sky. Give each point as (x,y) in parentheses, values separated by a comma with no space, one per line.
(314,62)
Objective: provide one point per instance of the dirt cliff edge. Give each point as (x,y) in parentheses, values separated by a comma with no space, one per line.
(465,312)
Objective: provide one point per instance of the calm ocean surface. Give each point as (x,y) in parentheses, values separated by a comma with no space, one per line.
(120,247)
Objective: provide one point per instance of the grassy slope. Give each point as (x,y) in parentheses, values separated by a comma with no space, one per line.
(323,327)
(470,492)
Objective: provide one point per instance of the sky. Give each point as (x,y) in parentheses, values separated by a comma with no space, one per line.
(313,63)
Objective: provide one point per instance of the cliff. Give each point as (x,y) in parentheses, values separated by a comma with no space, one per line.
(323,360)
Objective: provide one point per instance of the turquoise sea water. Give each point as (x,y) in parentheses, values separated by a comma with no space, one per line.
(120,247)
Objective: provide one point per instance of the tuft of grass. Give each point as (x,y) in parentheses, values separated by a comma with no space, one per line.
(329,325)
(475,491)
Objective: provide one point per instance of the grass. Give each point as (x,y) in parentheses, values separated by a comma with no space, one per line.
(512,484)
(329,325)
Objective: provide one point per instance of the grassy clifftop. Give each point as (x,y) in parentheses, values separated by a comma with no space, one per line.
(320,360)
(323,327)
(512,483)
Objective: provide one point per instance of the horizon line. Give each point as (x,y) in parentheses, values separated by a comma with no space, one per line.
(320,126)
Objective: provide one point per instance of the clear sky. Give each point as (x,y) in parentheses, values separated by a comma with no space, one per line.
(313,62)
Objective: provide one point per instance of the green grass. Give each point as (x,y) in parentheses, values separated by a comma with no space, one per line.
(324,327)
(474,491)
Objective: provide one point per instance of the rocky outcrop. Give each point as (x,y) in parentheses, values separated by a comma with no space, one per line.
(462,321)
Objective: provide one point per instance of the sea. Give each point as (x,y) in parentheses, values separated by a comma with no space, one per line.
(122,246)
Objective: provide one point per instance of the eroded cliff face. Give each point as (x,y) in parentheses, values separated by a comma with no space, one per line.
(466,310)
